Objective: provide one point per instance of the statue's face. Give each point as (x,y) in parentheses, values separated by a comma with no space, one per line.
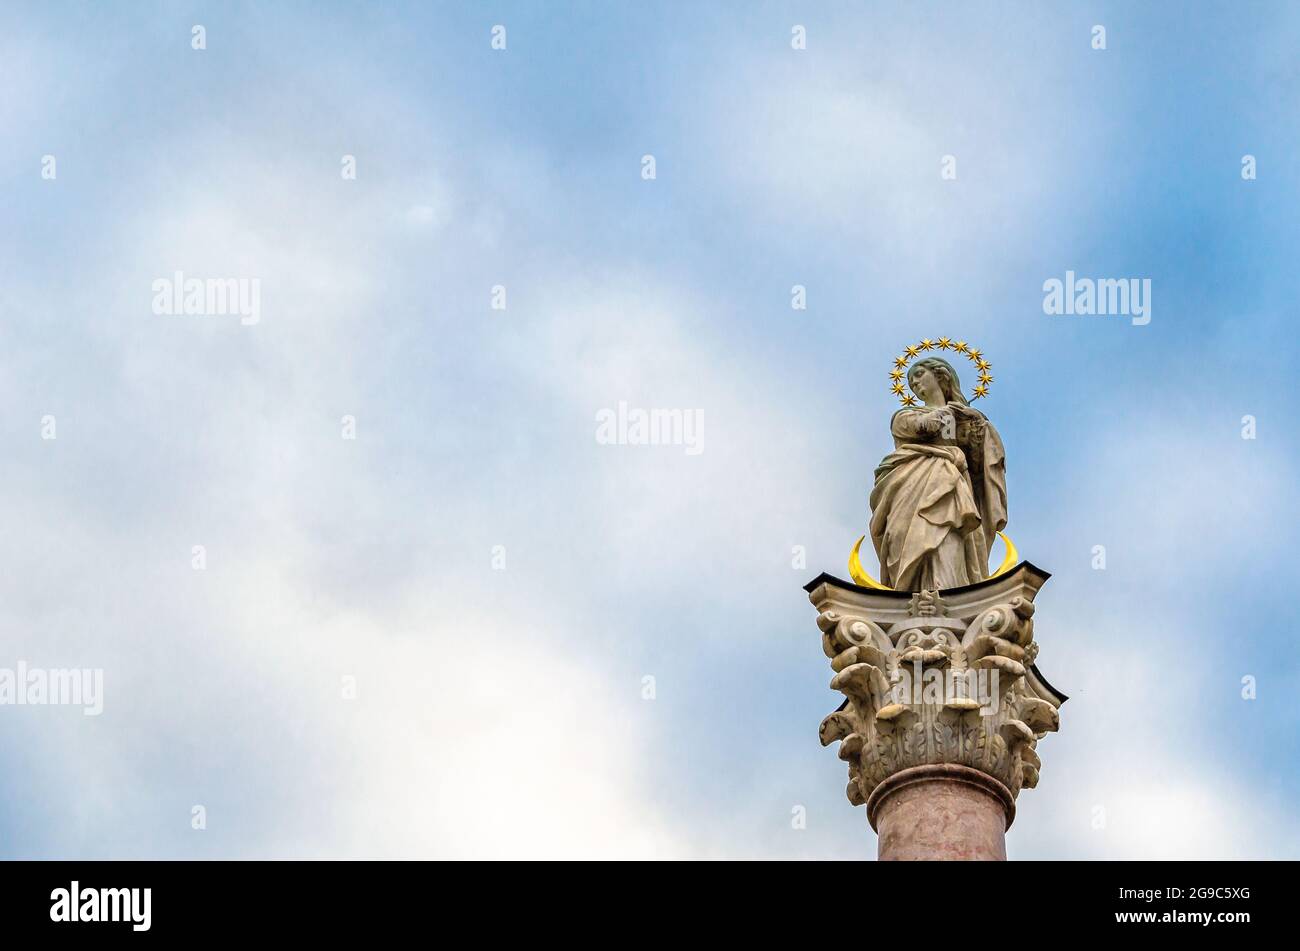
(925,385)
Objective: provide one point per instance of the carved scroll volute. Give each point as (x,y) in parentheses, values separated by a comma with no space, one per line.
(1001,638)
(1009,622)
(840,632)
(929,648)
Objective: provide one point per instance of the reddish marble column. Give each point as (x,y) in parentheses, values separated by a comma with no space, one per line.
(941,812)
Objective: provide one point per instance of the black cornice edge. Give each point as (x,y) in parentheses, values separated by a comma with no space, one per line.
(824,577)
(1060,697)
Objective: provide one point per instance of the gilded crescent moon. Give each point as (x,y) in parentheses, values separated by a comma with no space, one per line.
(860,576)
(1009,559)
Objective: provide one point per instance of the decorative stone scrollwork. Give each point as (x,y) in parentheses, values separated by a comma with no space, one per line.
(936,680)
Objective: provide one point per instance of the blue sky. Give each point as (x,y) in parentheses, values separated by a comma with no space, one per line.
(500,712)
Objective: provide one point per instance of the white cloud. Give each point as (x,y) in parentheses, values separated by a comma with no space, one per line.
(475,733)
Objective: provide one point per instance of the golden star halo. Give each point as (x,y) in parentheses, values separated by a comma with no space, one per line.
(973,354)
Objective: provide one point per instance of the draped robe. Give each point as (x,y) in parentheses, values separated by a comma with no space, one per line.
(938,504)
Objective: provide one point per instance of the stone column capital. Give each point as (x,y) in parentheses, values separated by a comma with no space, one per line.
(939,687)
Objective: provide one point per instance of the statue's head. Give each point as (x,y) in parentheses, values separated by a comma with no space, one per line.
(934,371)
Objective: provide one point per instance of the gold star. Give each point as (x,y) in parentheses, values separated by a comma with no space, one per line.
(897,388)
(943,343)
(911,351)
(895,374)
(985,378)
(900,361)
(974,355)
(960,346)
(983,364)
(981,391)
(909,400)
(927,344)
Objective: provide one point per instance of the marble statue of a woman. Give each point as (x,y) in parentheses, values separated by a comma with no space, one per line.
(940,497)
